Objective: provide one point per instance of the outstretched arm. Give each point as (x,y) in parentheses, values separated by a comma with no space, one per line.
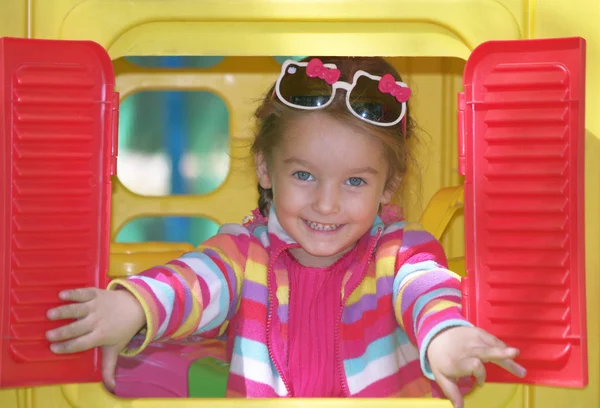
(427,301)
(197,293)
(427,296)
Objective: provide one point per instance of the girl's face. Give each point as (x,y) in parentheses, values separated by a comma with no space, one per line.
(328,180)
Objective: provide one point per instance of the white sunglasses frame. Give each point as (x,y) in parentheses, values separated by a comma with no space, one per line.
(334,87)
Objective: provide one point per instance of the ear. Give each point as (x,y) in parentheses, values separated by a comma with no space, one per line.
(390,190)
(386,197)
(262,171)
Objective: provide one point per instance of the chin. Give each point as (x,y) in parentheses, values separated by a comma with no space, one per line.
(324,252)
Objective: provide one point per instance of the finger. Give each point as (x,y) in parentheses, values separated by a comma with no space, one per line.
(478,371)
(78,295)
(109,364)
(512,367)
(450,389)
(491,354)
(508,364)
(76,345)
(71,311)
(70,331)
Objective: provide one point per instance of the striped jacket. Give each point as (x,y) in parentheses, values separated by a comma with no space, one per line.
(396,297)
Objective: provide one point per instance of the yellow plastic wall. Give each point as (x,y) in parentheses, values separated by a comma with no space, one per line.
(431,39)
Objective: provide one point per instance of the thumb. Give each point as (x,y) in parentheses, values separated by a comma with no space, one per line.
(450,389)
(110,354)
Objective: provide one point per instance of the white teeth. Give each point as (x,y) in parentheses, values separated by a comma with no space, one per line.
(322,227)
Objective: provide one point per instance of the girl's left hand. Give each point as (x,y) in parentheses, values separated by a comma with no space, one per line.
(461,352)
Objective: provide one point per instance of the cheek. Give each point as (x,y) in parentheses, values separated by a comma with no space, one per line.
(363,206)
(288,198)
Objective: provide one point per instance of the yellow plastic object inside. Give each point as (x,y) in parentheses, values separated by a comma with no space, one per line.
(432,39)
(129,259)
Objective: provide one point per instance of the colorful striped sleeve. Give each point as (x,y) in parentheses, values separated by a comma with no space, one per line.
(427,296)
(196,294)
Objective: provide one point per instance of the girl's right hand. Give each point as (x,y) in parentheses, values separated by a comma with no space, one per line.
(105,318)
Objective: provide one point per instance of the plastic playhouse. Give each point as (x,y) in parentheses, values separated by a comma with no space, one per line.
(506,91)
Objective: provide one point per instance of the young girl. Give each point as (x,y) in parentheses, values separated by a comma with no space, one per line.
(321,293)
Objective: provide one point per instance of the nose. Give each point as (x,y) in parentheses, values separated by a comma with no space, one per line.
(327,200)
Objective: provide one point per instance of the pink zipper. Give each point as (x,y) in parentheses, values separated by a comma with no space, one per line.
(270,317)
(338,357)
(343,380)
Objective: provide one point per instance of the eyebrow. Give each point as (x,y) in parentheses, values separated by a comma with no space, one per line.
(367,169)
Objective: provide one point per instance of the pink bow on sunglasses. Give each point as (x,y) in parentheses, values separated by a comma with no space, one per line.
(315,68)
(388,85)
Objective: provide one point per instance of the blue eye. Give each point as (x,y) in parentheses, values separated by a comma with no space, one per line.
(356,181)
(303,175)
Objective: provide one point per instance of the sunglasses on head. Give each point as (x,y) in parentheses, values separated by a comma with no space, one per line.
(380,101)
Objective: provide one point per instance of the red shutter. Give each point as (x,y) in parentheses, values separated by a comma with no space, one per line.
(522,114)
(57,123)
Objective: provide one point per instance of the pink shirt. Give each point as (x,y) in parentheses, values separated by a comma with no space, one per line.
(315,301)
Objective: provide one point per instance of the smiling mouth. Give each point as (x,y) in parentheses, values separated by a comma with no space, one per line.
(322,227)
